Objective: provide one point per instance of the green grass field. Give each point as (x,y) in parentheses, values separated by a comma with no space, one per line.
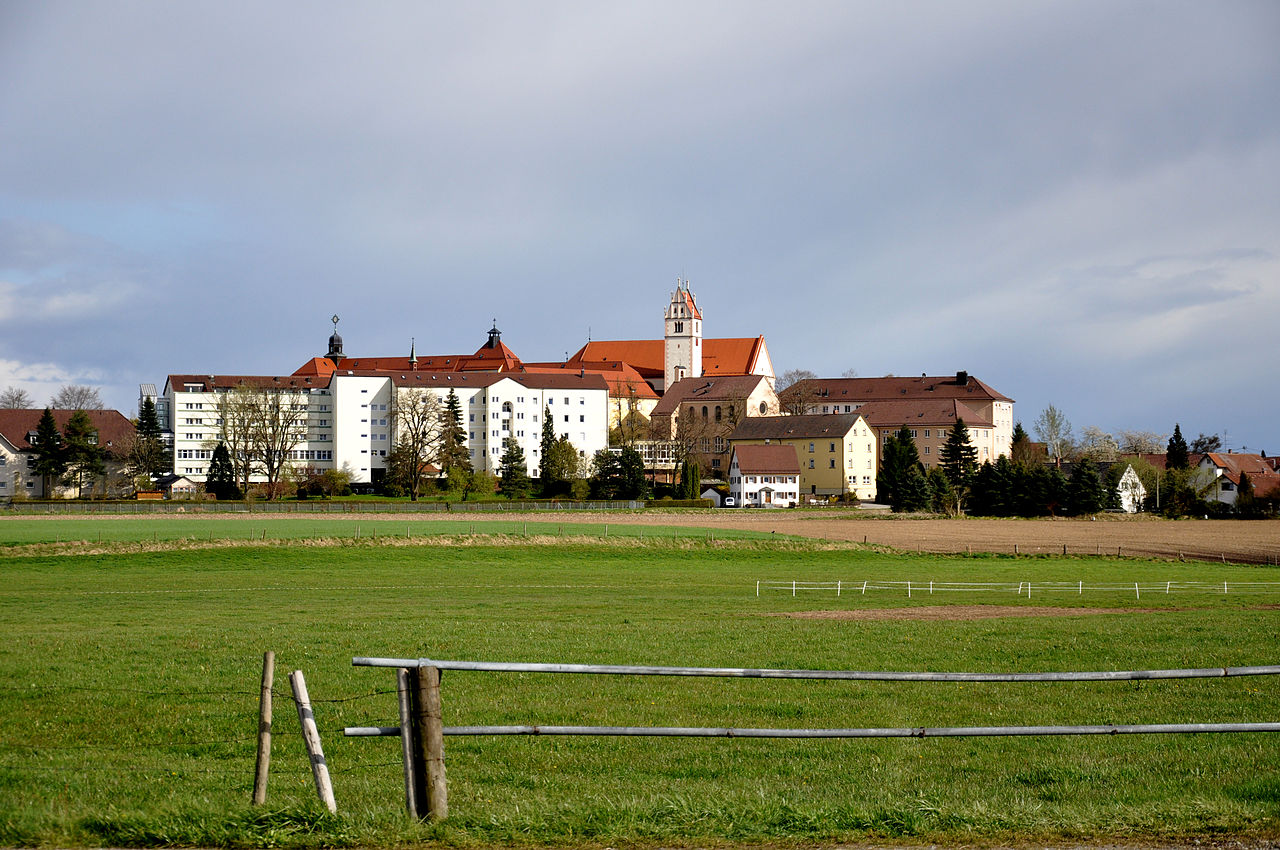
(129,699)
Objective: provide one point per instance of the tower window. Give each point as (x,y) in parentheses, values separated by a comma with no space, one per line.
(679,327)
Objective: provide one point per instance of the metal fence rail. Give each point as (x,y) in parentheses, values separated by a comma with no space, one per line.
(907,732)
(840,675)
(422,730)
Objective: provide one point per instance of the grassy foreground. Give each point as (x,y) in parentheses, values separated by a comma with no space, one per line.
(129,697)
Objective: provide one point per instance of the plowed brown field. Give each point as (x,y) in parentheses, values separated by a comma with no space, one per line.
(1240,541)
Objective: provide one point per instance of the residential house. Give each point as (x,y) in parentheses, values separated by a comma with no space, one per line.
(18,478)
(1227,469)
(837,452)
(764,476)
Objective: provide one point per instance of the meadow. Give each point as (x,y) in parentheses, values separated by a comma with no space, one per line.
(131,667)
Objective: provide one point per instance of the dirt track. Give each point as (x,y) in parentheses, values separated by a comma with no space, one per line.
(1256,542)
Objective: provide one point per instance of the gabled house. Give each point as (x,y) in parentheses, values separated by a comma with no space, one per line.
(1227,470)
(837,452)
(18,478)
(764,476)
(1130,492)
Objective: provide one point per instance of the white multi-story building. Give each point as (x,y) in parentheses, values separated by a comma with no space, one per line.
(348,419)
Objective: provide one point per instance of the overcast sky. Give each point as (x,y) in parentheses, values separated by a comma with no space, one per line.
(1077,202)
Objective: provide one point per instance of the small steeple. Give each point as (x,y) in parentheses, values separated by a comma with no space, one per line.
(495,336)
(413,357)
(335,343)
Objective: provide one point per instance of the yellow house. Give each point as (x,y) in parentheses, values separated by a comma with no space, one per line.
(837,452)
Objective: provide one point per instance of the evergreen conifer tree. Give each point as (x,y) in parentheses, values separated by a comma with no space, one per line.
(631,483)
(453,437)
(513,475)
(221,477)
(51,460)
(899,458)
(85,458)
(545,447)
(1176,455)
(958,456)
(149,457)
(1086,493)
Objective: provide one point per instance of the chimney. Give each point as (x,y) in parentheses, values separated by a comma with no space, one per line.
(962,378)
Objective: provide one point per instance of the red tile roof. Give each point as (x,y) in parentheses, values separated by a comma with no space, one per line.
(1234,465)
(891,388)
(624,382)
(939,412)
(729,356)
(767,460)
(794,427)
(114,430)
(724,388)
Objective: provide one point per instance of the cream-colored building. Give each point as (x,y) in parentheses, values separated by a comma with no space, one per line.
(837,452)
(928,406)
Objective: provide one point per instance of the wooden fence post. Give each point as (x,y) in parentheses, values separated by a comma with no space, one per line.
(311,738)
(264,729)
(412,766)
(430,741)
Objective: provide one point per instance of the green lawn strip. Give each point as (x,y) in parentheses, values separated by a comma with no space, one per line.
(167,528)
(129,697)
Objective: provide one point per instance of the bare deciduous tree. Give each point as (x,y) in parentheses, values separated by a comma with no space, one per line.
(1141,442)
(1054,430)
(419,424)
(15,398)
(796,391)
(261,427)
(77,397)
(1098,445)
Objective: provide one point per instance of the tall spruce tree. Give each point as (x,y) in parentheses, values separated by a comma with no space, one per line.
(453,452)
(1176,454)
(221,478)
(513,475)
(85,458)
(1086,494)
(546,446)
(958,456)
(51,458)
(899,458)
(1021,451)
(149,456)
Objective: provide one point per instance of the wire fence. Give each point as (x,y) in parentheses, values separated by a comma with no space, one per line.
(72,507)
(1019,589)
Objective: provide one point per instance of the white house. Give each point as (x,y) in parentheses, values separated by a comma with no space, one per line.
(764,476)
(1130,491)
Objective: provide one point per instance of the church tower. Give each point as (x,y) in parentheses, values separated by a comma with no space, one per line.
(682,337)
(335,344)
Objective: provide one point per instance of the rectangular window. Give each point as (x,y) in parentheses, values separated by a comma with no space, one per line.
(582,419)
(926,450)
(926,432)
(832,464)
